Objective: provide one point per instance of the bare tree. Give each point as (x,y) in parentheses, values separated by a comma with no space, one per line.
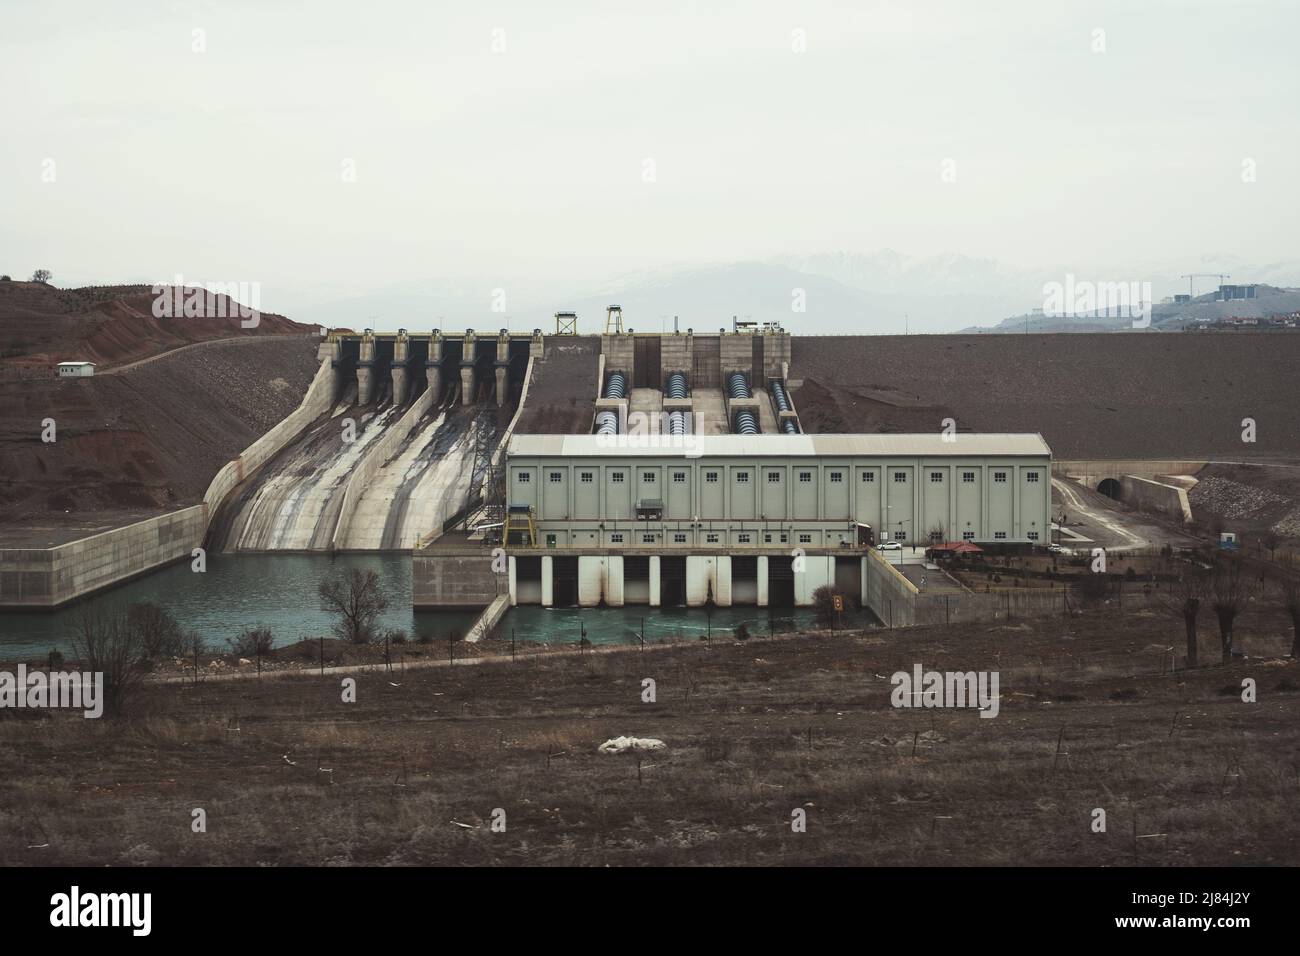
(159,634)
(357,602)
(1291,600)
(1228,591)
(105,642)
(1270,540)
(42,275)
(1184,600)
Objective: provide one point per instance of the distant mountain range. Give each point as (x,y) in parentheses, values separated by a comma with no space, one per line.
(1268,301)
(884,292)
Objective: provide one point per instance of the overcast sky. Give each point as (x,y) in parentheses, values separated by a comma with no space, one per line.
(505,142)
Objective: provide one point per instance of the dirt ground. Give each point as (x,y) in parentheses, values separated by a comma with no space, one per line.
(148,432)
(1167,395)
(147,440)
(414,771)
(109,325)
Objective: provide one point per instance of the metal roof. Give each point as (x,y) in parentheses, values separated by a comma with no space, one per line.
(928,445)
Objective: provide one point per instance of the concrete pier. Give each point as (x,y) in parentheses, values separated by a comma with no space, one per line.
(365,371)
(502,365)
(468,377)
(401,347)
(433,365)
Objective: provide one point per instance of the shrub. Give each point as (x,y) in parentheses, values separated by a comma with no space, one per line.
(54,660)
(396,636)
(823,603)
(253,642)
(742,632)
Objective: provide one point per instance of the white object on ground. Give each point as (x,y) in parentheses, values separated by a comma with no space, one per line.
(621,745)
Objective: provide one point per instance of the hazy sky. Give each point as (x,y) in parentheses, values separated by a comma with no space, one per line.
(531,161)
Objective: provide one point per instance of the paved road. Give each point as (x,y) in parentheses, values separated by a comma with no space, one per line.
(1093,515)
(119,369)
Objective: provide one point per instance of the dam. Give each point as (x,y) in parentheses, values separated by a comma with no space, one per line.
(676,469)
(402,450)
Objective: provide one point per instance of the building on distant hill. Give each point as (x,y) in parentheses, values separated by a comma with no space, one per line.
(1229,292)
(76,369)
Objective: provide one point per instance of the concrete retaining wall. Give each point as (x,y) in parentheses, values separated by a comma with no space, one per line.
(889,595)
(455,580)
(48,577)
(1093,471)
(1156,497)
(314,404)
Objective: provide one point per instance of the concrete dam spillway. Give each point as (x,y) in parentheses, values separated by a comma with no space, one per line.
(406,445)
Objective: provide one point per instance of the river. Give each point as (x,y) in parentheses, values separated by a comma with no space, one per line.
(278,591)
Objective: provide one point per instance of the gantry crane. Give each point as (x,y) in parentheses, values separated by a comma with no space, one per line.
(1191,278)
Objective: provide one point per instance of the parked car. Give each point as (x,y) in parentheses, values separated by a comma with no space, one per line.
(889,546)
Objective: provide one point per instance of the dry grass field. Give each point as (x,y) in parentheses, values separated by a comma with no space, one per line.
(412,771)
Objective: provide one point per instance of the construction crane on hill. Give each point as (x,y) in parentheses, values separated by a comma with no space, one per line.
(1191,278)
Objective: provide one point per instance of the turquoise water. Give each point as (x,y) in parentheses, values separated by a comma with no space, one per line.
(621,625)
(278,591)
(239,591)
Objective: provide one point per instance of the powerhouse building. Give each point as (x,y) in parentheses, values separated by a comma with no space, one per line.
(718,518)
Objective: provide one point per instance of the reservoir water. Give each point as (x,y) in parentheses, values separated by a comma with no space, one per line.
(278,591)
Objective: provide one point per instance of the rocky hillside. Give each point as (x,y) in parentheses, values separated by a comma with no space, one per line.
(110,325)
(172,402)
